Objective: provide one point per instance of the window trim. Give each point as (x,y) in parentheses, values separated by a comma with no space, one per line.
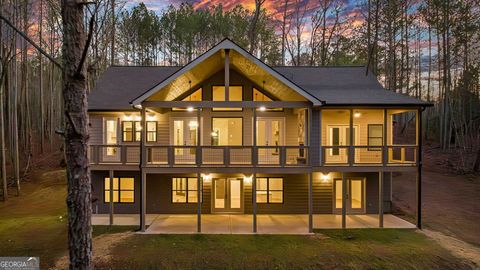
(227,109)
(374,147)
(119,189)
(134,131)
(229,117)
(267,95)
(268,190)
(199,196)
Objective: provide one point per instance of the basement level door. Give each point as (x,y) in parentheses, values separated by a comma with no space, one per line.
(227,195)
(355,199)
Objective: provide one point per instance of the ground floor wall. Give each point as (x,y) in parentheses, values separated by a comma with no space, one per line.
(295,194)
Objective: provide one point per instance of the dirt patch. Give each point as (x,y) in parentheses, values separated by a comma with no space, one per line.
(458,247)
(102,249)
(451,203)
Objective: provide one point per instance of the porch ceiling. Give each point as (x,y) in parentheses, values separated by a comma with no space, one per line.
(194,76)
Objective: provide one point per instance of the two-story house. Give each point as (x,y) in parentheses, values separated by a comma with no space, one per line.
(227,135)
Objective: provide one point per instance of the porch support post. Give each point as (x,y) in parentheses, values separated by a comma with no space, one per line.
(344,201)
(143,180)
(351,152)
(419,168)
(199,138)
(309,134)
(385,138)
(380,199)
(143,200)
(199,202)
(254,197)
(310,202)
(320,151)
(254,150)
(227,74)
(111,196)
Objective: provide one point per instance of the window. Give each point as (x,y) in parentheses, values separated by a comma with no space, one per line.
(269,190)
(184,190)
(111,136)
(123,190)
(259,96)
(227,131)
(195,96)
(235,93)
(375,136)
(131,128)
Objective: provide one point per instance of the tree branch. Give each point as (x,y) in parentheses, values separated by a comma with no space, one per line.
(87,45)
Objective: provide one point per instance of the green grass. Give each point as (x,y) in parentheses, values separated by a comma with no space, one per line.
(106,229)
(337,249)
(34,224)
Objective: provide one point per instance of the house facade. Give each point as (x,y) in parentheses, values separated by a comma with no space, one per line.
(228,134)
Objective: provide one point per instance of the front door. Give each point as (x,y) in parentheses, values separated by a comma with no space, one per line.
(355,198)
(227,195)
(339,136)
(184,133)
(269,133)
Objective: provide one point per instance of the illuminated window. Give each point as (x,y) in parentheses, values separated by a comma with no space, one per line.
(111,136)
(130,128)
(375,136)
(259,96)
(184,190)
(195,96)
(123,190)
(227,131)
(235,93)
(269,190)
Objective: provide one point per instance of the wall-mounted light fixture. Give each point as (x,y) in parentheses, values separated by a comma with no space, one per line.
(325,177)
(190,109)
(207,177)
(262,109)
(247,179)
(357,114)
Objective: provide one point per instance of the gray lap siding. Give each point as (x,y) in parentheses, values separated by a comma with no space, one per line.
(295,194)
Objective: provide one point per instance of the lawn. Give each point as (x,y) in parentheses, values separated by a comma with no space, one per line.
(34,224)
(330,249)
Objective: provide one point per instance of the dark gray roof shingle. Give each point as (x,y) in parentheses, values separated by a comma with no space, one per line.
(335,85)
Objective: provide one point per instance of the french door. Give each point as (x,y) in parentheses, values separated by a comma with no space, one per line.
(355,197)
(227,195)
(184,133)
(270,132)
(339,135)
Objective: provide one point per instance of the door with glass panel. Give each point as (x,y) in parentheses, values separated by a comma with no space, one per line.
(184,133)
(270,133)
(110,153)
(339,136)
(355,197)
(227,195)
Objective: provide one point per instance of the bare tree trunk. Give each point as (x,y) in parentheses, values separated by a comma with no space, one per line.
(40,75)
(284,31)
(251,31)
(79,196)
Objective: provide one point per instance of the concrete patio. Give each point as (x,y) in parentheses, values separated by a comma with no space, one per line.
(242,224)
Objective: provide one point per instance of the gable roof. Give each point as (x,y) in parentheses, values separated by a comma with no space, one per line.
(208,56)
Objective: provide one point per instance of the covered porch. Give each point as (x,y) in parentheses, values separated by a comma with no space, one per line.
(242,223)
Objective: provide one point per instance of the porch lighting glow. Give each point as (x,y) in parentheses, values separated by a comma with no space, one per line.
(190,109)
(193,124)
(357,114)
(262,109)
(207,177)
(138,106)
(151,117)
(247,179)
(325,177)
(127,117)
(138,118)
(214,134)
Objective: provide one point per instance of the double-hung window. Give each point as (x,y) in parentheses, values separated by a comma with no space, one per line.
(123,190)
(132,131)
(375,136)
(269,190)
(184,190)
